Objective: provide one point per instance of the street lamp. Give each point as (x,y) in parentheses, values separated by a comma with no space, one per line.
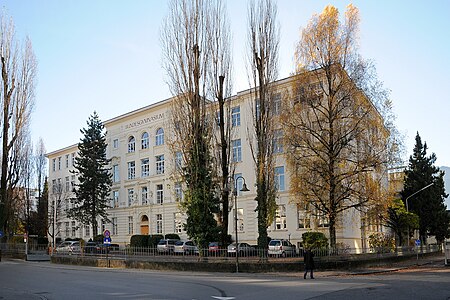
(243,189)
(413,194)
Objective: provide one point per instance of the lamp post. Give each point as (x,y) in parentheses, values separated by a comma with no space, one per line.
(235,192)
(413,194)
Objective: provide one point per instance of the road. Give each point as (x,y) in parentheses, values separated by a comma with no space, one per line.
(43,280)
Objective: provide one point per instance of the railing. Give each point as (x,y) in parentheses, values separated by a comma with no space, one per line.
(153,253)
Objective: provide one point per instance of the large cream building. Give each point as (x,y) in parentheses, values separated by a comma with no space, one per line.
(145,197)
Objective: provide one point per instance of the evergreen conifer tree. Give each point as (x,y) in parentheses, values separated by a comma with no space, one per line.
(428,204)
(94,179)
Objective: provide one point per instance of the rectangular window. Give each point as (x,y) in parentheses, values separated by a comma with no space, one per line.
(72,182)
(116,177)
(303,217)
(114,226)
(239,183)
(54,187)
(87,230)
(178,191)
(160,164)
(178,160)
(236,116)
(240,219)
(322,220)
(54,164)
(59,163)
(280,218)
(74,229)
(73,159)
(236,150)
(67,161)
(159,223)
(67,184)
(67,231)
(144,195)
(279,178)
(159,194)
(115,199)
(276,104)
(115,143)
(178,223)
(278,141)
(130,225)
(145,167)
(131,170)
(130,197)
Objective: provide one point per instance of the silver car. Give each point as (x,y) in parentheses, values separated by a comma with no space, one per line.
(281,248)
(68,247)
(244,249)
(185,247)
(166,246)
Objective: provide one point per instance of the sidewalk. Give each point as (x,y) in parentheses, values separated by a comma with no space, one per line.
(436,261)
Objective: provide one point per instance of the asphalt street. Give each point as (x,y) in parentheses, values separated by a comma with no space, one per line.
(43,280)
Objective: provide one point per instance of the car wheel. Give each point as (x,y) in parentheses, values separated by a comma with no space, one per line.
(283,254)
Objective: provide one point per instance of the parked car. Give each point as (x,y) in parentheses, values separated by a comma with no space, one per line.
(166,245)
(185,247)
(281,248)
(215,249)
(96,248)
(244,249)
(68,247)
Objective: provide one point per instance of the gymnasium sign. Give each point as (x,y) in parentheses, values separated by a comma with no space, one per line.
(145,121)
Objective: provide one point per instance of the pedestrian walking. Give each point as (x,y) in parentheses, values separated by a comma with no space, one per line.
(308,260)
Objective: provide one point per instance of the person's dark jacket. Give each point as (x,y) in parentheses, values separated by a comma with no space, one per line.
(308,258)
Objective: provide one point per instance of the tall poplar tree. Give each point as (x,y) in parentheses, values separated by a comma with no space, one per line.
(428,204)
(91,193)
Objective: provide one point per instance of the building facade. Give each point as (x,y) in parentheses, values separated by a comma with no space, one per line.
(145,196)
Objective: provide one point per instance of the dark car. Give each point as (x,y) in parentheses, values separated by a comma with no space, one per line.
(95,248)
(215,249)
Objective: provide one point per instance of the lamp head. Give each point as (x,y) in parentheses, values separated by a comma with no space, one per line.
(244,188)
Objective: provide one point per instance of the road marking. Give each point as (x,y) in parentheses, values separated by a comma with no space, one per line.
(223,298)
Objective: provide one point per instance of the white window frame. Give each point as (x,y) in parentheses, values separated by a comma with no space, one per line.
(131,144)
(235,116)
(130,225)
(114,226)
(130,194)
(159,194)
(145,141)
(177,222)
(145,167)
(159,164)
(178,189)
(159,137)
(159,223)
(131,170)
(280,218)
(116,143)
(236,155)
(116,173)
(280,178)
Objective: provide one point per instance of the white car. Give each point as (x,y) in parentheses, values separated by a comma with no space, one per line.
(281,248)
(185,247)
(68,247)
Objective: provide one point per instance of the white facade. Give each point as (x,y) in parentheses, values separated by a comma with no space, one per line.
(145,197)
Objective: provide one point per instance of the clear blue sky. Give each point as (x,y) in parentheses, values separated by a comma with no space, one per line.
(106,56)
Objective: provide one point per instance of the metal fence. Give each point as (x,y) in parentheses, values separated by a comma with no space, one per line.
(153,253)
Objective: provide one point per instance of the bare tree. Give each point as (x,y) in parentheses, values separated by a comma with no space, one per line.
(40,168)
(186,59)
(338,139)
(219,75)
(18,72)
(263,40)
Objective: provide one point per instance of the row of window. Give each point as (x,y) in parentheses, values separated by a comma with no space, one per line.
(57,163)
(145,141)
(57,185)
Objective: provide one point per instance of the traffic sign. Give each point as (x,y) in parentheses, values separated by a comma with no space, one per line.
(417,242)
(106,233)
(107,240)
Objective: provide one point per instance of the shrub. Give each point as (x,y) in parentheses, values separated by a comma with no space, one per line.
(154,239)
(42,240)
(314,240)
(173,236)
(99,238)
(380,242)
(139,240)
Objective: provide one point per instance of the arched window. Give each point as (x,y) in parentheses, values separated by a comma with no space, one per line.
(159,137)
(144,141)
(131,144)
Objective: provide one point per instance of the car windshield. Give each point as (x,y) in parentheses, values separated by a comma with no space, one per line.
(179,243)
(162,242)
(274,243)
